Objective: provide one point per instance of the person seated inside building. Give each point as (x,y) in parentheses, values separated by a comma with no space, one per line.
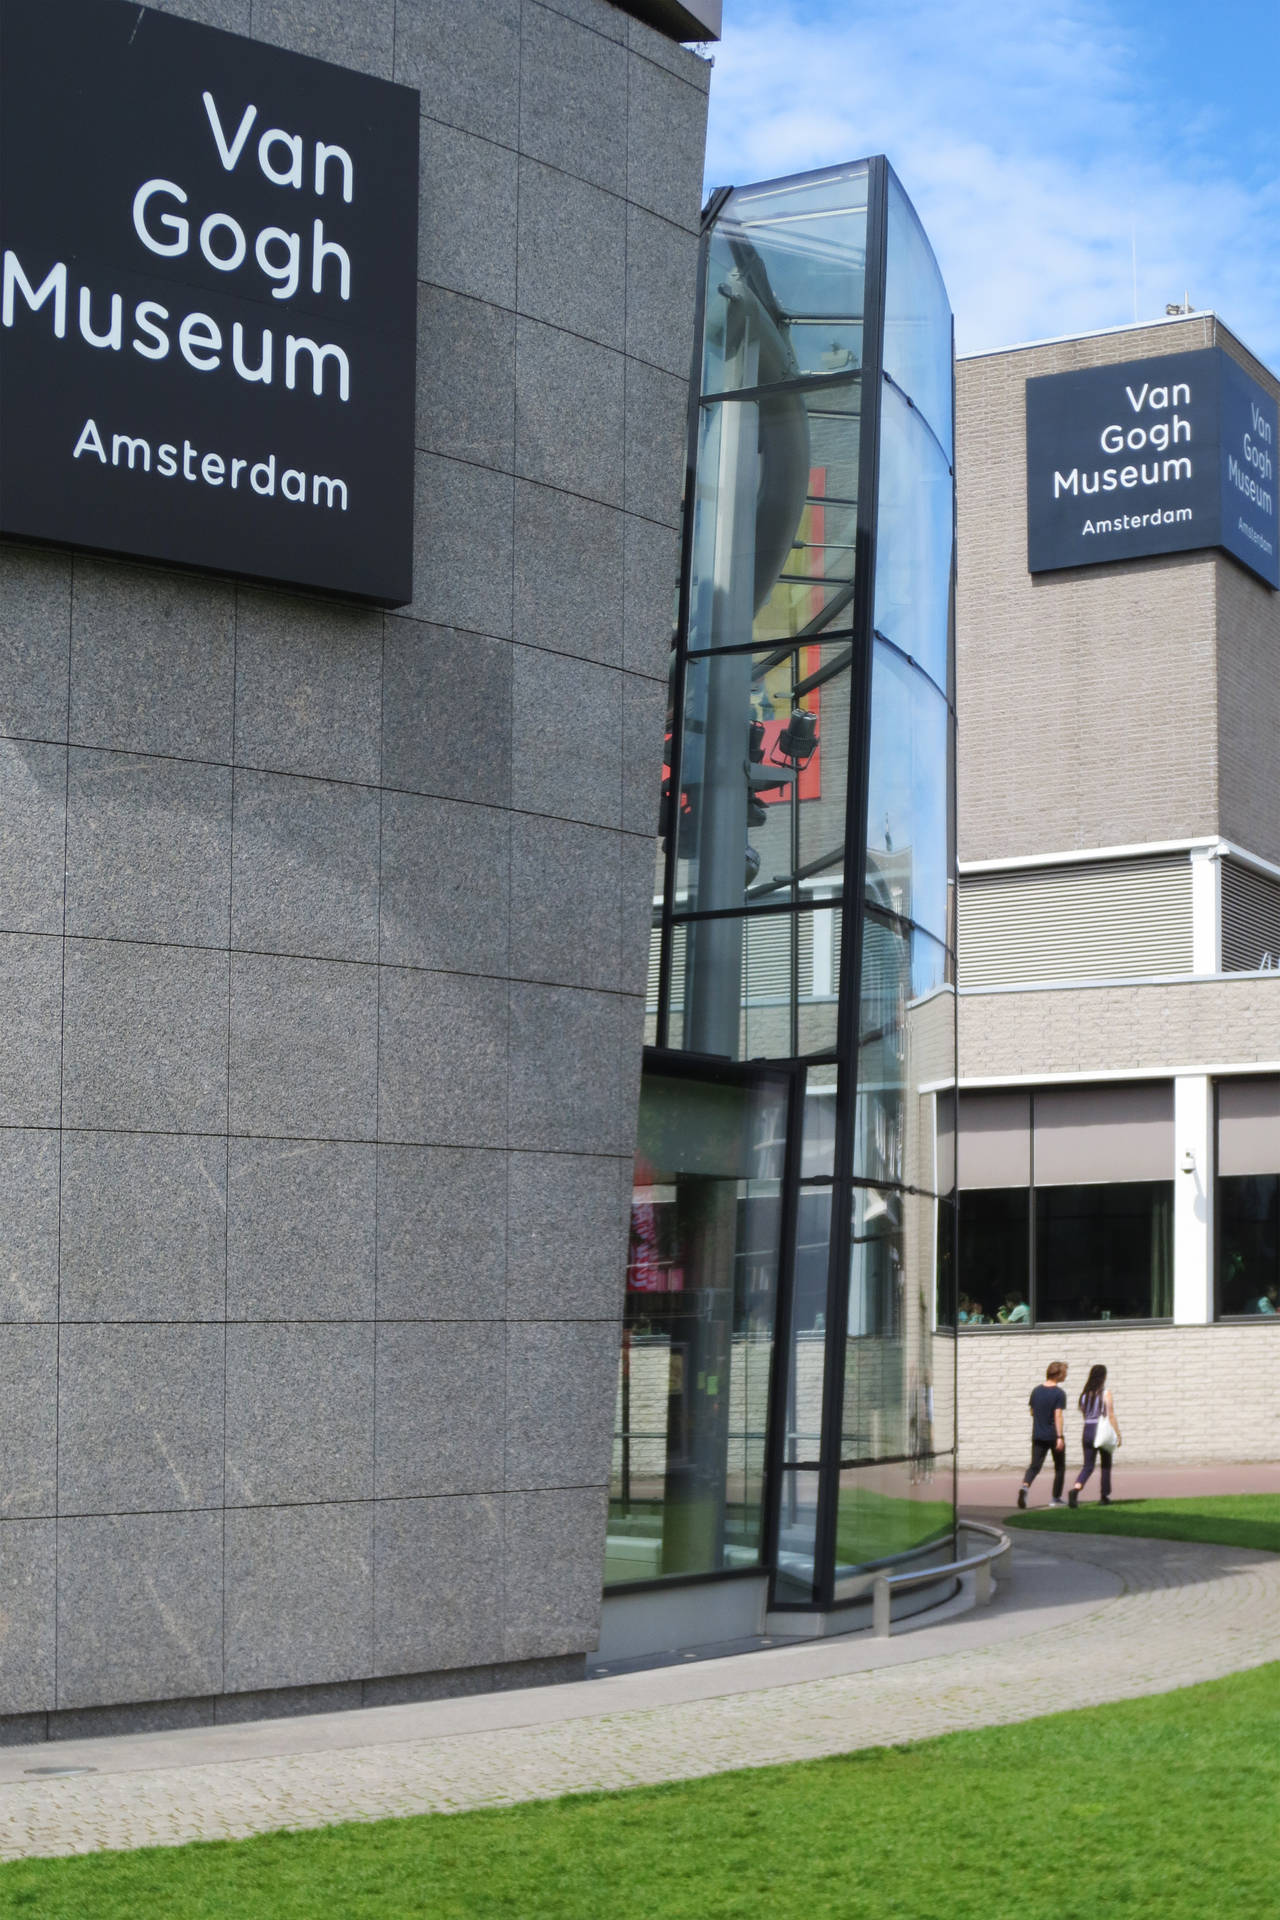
(1267,1302)
(1015,1312)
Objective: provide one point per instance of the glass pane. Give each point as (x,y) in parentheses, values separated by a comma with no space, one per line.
(947,1310)
(822,794)
(1105,1252)
(993,1263)
(817,1154)
(783,253)
(1249,1273)
(913,539)
(906,1048)
(908,810)
(917,317)
(797,1529)
(775,515)
(884,1512)
(686,1493)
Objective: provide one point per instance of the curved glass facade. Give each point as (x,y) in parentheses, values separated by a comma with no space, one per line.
(801,1360)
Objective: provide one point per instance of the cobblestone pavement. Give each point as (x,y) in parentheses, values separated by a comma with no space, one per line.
(1083,1620)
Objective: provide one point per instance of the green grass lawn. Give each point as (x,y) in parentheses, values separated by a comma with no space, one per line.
(1164,1807)
(1232,1519)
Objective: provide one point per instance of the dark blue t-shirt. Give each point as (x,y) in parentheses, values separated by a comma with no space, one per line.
(1044,1401)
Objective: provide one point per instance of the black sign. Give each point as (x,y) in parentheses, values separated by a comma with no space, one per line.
(208,307)
(1153,456)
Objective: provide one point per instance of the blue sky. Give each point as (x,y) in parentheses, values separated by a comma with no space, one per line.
(1037,142)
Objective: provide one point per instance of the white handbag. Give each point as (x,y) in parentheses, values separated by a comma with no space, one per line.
(1105,1437)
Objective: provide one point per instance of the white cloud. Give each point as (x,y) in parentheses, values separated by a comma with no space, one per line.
(1034,143)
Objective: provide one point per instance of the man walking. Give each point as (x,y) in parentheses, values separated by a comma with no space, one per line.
(1048,1405)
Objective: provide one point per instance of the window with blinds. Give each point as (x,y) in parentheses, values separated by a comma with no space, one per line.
(1108,919)
(1250,919)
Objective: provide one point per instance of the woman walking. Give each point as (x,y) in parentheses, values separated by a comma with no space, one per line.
(1097,1409)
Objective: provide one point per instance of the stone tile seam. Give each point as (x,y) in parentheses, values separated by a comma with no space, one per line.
(535,480)
(334,1500)
(323,1140)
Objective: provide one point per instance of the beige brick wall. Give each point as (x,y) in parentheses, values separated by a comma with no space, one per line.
(1183,1394)
(1116,1029)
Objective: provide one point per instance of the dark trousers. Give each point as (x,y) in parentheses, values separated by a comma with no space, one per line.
(1092,1453)
(1039,1448)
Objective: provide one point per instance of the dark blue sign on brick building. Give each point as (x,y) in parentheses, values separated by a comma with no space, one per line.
(1152,456)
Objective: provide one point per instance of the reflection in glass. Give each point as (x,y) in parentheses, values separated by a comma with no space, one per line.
(686,1494)
(908,815)
(913,539)
(889,1512)
(917,318)
(1105,1252)
(1249,1262)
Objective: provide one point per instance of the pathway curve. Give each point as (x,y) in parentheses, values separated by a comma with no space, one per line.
(1083,1620)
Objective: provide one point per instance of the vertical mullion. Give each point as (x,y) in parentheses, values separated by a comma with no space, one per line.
(1033,1293)
(856,801)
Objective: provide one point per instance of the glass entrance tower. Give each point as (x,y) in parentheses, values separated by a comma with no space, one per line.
(786,1401)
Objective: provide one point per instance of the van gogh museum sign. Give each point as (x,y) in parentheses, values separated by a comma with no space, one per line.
(1153,456)
(208,302)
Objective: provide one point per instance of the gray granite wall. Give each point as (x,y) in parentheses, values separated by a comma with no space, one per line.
(322,948)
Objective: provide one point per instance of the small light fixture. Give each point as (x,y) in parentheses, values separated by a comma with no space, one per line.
(1188,1161)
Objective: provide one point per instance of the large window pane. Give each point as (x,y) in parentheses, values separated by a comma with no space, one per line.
(901,1507)
(688,1459)
(913,539)
(1249,1241)
(1104,1252)
(917,318)
(908,814)
(994,1259)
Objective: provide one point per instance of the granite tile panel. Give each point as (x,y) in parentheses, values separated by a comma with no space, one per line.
(467,209)
(562,1380)
(443,1059)
(445,884)
(454,1683)
(440,1407)
(566,751)
(599,15)
(569,412)
(29,1397)
(301,1230)
(640,886)
(565,1070)
(565,881)
(299,1595)
(308,687)
(139,1418)
(666,141)
(446,724)
(362,38)
(304,1048)
(130,1717)
(305,868)
(466,63)
(145,1041)
(572,259)
(152,661)
(299,1412)
(28,1224)
(462,558)
(139,1608)
(573,99)
(662,266)
(438,1583)
(148,849)
(656,421)
(552,1600)
(682,61)
(283,1703)
(144,1227)
(568,573)
(27,1606)
(441,1233)
(35,642)
(651,585)
(644,718)
(466,367)
(33,823)
(30,1023)
(567,1220)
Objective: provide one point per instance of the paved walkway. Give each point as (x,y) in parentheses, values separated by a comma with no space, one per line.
(1080,1621)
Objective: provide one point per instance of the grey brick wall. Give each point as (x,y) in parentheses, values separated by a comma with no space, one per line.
(322,954)
(1183,1394)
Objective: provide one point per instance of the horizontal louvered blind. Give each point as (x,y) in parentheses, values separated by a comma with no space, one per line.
(1250,919)
(1103,920)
